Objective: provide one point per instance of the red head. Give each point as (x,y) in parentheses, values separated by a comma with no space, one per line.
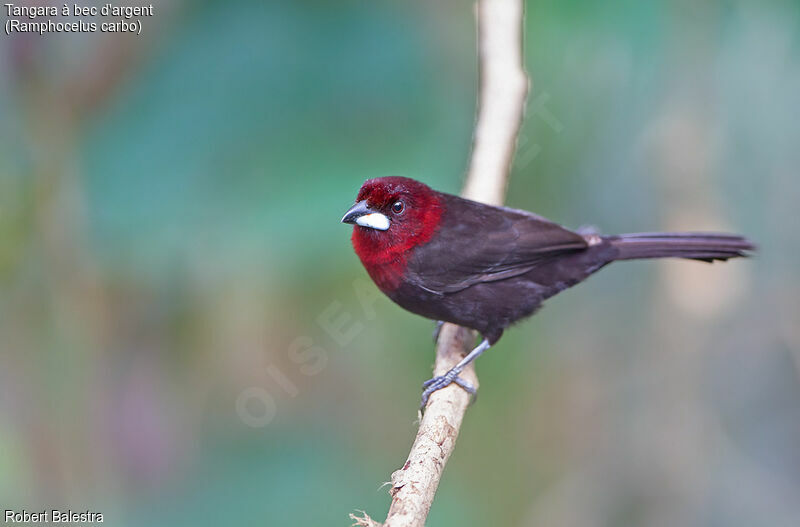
(392,216)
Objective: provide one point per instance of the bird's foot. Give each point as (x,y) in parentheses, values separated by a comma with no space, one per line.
(437,383)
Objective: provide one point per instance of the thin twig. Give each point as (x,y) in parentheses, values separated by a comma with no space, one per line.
(503,87)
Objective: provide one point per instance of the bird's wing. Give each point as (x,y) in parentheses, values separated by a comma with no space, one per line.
(481,243)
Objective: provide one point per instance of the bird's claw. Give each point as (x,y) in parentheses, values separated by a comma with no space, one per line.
(437,383)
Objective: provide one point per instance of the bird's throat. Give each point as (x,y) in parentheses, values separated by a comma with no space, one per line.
(383,257)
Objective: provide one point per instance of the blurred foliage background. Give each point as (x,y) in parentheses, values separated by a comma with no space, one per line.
(170,241)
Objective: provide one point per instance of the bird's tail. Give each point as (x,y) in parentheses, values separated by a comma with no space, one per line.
(694,245)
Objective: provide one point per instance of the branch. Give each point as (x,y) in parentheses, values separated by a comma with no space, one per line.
(503,87)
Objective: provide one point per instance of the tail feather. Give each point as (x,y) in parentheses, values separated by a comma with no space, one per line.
(703,246)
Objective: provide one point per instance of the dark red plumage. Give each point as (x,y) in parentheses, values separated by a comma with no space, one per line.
(385,253)
(484,267)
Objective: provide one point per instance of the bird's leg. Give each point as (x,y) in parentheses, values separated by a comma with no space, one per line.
(437,383)
(437,330)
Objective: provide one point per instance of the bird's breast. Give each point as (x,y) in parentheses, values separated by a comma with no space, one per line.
(387,275)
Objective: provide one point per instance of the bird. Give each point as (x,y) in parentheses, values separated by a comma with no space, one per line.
(486,267)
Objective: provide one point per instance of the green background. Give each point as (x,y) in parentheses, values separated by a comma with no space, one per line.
(169,229)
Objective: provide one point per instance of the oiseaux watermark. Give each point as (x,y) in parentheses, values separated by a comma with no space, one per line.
(257,406)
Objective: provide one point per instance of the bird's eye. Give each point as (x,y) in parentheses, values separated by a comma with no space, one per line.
(398,207)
